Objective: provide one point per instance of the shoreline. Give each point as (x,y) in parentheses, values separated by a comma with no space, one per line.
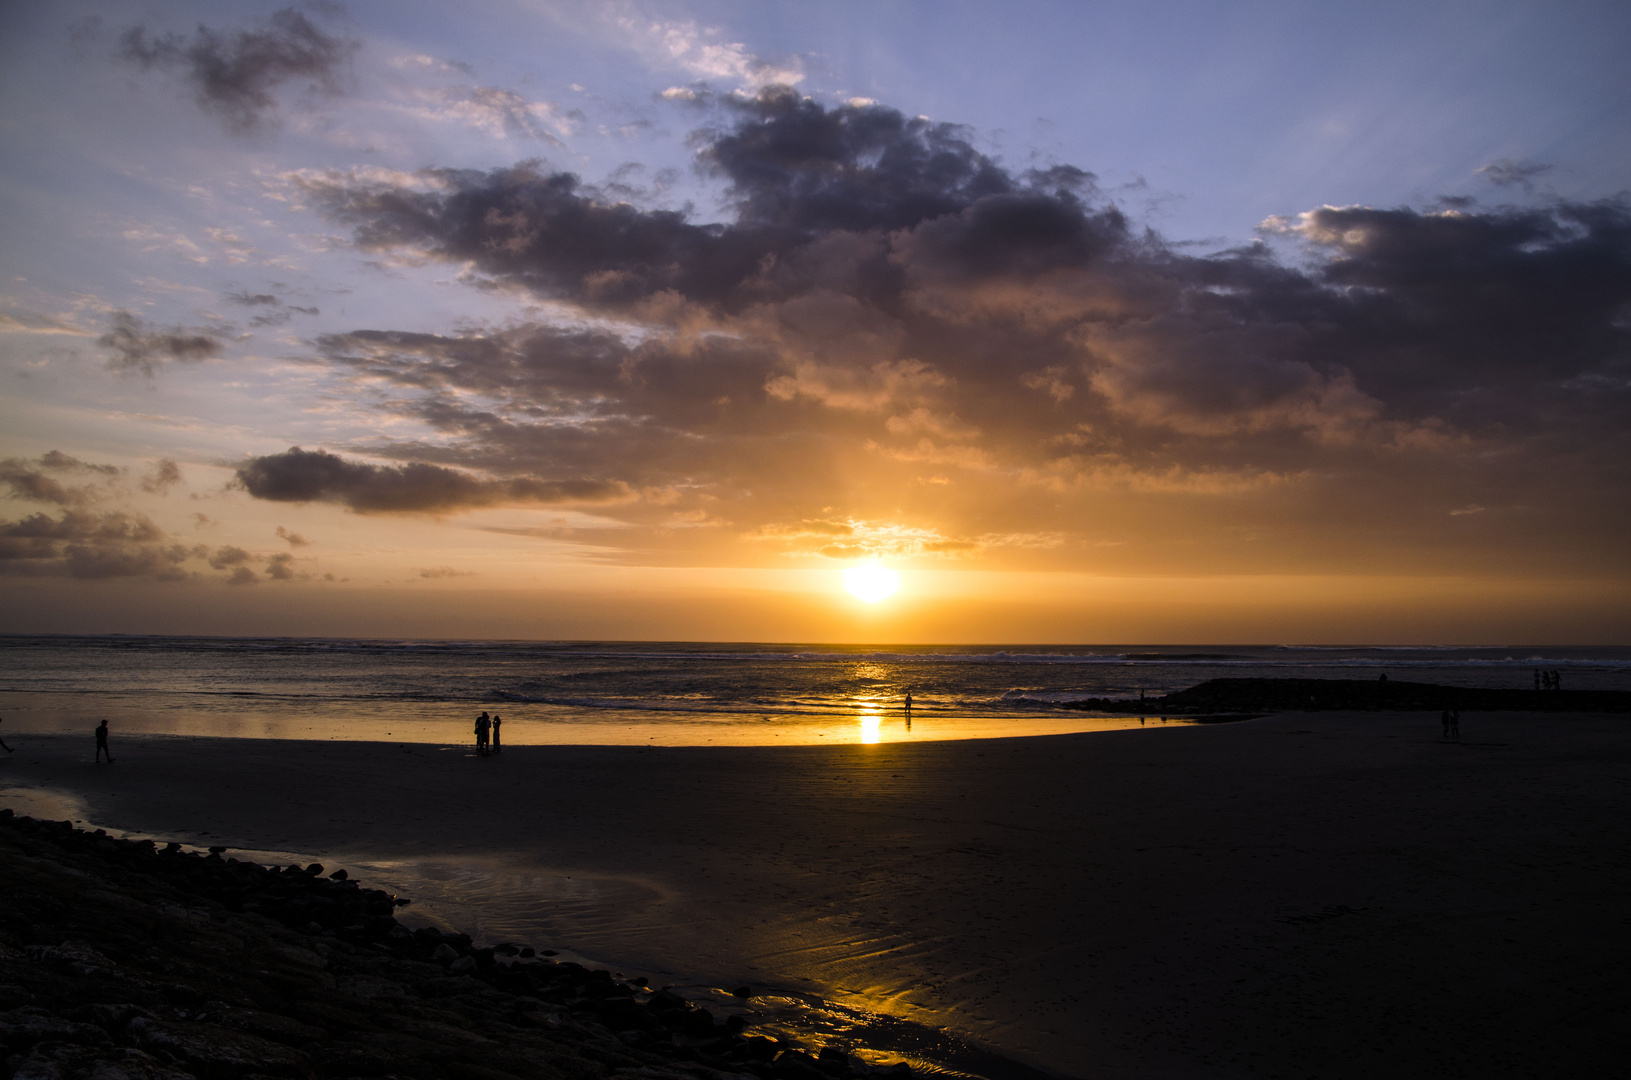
(103,1001)
(1216,899)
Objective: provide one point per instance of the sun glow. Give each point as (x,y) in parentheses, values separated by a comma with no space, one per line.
(871,583)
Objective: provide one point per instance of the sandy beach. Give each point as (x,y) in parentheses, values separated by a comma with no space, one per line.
(1333,894)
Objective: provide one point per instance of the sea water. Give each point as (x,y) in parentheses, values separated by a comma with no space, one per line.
(673,694)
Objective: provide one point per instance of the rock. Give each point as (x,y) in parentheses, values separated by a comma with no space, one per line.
(215,1051)
(446,954)
(664,1000)
(743,992)
(795,1065)
(833,1061)
(21,1028)
(464,965)
(338,875)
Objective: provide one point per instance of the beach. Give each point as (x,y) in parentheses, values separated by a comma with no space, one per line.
(1328,894)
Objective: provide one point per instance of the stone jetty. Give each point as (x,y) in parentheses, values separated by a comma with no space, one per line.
(1237,698)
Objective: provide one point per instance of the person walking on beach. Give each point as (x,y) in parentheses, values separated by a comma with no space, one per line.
(102,743)
(2,741)
(498,745)
(482,726)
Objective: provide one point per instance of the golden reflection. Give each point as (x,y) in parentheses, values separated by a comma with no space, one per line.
(869,726)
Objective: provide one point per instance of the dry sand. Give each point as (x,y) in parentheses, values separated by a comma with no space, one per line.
(1304,895)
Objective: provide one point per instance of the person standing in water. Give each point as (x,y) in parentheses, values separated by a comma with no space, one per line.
(498,745)
(102,743)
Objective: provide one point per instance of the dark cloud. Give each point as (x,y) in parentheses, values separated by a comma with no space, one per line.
(233,74)
(27,478)
(164,475)
(280,567)
(280,313)
(243,576)
(225,557)
(317,476)
(434,572)
(888,309)
(295,539)
(140,348)
(1520,174)
(86,544)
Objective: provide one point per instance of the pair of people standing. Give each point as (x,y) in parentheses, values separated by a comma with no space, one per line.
(1451,720)
(489,739)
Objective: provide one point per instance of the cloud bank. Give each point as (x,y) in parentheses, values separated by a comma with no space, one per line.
(894,324)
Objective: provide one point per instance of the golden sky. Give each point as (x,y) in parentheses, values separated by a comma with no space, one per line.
(313,330)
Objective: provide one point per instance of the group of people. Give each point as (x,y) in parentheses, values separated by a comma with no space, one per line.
(488,740)
(1451,719)
(1548,680)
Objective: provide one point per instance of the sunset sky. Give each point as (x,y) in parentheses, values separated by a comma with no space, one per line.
(1093,322)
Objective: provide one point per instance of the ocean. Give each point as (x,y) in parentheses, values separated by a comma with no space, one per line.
(672,693)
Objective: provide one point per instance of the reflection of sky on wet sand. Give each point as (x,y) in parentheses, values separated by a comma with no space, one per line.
(862,719)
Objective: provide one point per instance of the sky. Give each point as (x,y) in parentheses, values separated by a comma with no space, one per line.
(1082,322)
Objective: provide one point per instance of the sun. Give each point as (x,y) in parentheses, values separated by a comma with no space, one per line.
(871,583)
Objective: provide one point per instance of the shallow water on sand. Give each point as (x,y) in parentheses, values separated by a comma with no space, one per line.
(669,694)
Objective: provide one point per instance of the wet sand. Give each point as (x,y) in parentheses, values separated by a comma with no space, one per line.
(1309,895)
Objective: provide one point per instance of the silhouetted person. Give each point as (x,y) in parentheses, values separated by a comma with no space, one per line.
(1455,723)
(498,745)
(908,701)
(2,741)
(1557,680)
(482,724)
(1444,720)
(102,743)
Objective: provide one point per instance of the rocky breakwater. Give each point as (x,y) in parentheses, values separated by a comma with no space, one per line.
(127,959)
(1237,699)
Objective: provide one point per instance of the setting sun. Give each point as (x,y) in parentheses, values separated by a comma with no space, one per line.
(871,583)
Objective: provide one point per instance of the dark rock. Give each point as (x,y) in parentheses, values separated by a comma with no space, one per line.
(663,1000)
(796,1065)
(339,875)
(833,1061)
(21,1028)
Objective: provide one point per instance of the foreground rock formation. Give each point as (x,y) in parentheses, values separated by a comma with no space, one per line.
(124,959)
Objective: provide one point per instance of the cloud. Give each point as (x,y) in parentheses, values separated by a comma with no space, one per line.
(298,475)
(888,309)
(26,322)
(702,53)
(165,475)
(434,572)
(295,539)
(86,544)
(243,576)
(234,74)
(139,348)
(1519,174)
(29,480)
(497,112)
(277,312)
